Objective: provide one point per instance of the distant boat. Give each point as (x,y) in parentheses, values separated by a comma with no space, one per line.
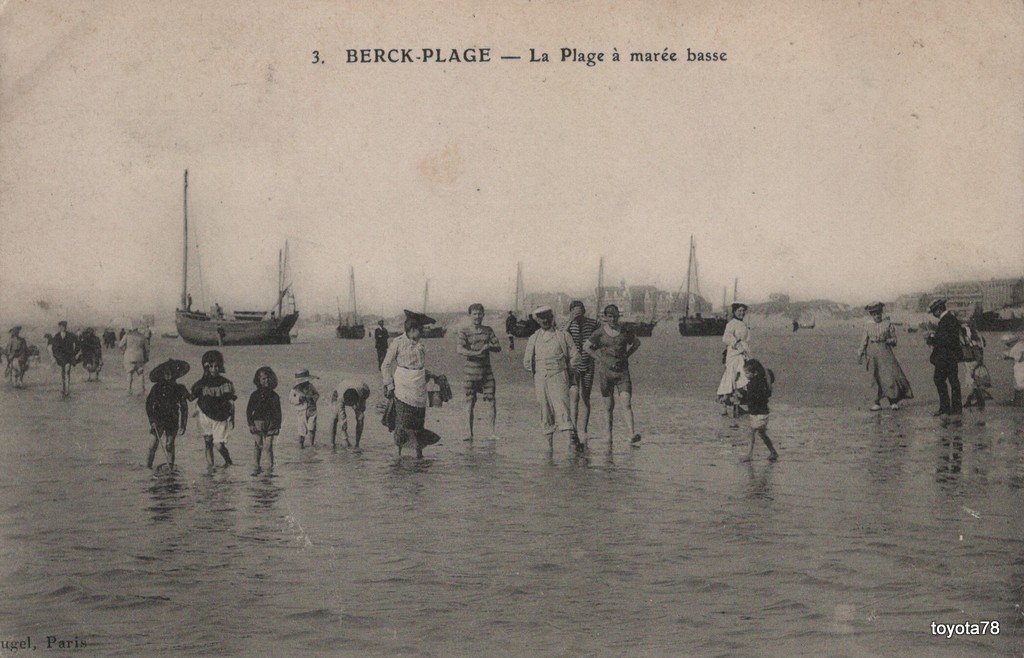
(431,330)
(354,330)
(642,328)
(244,327)
(697,325)
(524,328)
(991,321)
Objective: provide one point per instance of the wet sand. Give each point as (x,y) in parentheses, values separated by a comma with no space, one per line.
(869,528)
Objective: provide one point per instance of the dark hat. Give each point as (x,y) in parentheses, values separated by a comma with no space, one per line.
(270,373)
(87,330)
(213,356)
(574,303)
(62,323)
(174,366)
(936,303)
(304,374)
(15,329)
(736,305)
(877,307)
(419,317)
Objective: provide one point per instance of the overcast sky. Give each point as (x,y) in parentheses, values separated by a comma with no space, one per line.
(845,150)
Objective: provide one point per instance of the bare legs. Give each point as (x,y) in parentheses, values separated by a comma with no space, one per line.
(763,433)
(627,403)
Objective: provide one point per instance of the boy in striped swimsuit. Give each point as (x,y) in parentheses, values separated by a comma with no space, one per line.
(475,343)
(582,381)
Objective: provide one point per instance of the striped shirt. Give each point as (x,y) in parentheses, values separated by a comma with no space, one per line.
(476,368)
(581,329)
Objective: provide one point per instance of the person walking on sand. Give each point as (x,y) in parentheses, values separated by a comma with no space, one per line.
(405,379)
(17,357)
(350,394)
(550,353)
(876,354)
(91,350)
(304,397)
(610,346)
(511,321)
(946,355)
(216,397)
(1015,353)
(581,328)
(756,391)
(380,341)
(263,415)
(64,345)
(475,343)
(737,351)
(167,408)
(135,349)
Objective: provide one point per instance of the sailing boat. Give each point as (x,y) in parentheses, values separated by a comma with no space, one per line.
(524,328)
(352,329)
(698,325)
(431,330)
(637,327)
(271,327)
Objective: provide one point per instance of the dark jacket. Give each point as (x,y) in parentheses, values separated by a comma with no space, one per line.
(65,349)
(167,405)
(265,406)
(945,341)
(755,395)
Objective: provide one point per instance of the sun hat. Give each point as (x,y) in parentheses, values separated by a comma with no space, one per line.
(543,310)
(177,369)
(304,374)
(936,303)
(877,307)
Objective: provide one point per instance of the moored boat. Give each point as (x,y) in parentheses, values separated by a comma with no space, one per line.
(697,324)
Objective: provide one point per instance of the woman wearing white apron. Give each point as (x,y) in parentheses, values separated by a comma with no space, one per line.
(405,377)
(737,352)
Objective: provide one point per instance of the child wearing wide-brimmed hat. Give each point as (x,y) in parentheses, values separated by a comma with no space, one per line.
(216,397)
(1015,352)
(303,398)
(263,413)
(167,407)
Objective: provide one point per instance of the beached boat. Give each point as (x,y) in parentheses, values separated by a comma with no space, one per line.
(431,330)
(697,324)
(351,328)
(524,328)
(271,327)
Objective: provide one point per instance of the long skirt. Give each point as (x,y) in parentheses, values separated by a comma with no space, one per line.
(409,422)
(888,377)
(733,377)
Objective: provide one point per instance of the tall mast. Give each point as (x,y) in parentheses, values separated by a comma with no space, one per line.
(519,286)
(280,280)
(184,248)
(689,275)
(352,292)
(426,291)
(600,287)
(735,287)
(723,300)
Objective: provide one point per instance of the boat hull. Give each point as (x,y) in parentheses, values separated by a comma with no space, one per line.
(204,331)
(702,326)
(351,332)
(641,329)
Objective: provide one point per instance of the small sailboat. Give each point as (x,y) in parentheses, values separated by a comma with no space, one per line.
(697,324)
(350,327)
(270,327)
(431,330)
(524,327)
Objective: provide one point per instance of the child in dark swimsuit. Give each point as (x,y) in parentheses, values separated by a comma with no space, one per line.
(755,395)
(263,413)
(167,407)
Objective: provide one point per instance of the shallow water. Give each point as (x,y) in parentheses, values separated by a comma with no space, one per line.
(868,529)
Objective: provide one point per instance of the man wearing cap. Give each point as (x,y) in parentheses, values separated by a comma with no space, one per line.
(380,341)
(350,393)
(303,398)
(64,346)
(549,355)
(946,355)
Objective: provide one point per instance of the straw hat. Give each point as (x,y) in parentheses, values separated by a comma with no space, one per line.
(877,307)
(936,303)
(304,374)
(541,310)
(422,318)
(177,369)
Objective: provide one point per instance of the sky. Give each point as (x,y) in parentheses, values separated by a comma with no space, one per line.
(844,150)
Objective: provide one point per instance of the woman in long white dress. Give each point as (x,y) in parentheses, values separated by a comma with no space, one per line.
(737,351)
(876,353)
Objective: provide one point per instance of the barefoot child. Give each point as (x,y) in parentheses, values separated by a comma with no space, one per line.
(303,398)
(216,396)
(755,395)
(263,413)
(350,393)
(167,407)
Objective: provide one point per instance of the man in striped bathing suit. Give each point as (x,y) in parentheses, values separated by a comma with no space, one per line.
(475,343)
(582,379)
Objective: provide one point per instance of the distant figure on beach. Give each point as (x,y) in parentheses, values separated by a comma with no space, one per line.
(120,335)
(737,351)
(755,392)
(350,394)
(64,346)
(475,344)
(405,378)
(946,355)
(972,344)
(109,338)
(796,325)
(263,415)
(610,346)
(303,398)
(167,408)
(135,349)
(216,397)
(380,341)
(91,351)
(1015,353)
(217,312)
(17,357)
(581,328)
(510,327)
(876,354)
(550,354)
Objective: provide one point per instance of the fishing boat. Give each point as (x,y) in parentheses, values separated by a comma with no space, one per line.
(350,327)
(697,324)
(271,327)
(524,328)
(431,330)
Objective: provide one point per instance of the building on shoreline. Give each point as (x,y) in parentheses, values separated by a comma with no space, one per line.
(970,297)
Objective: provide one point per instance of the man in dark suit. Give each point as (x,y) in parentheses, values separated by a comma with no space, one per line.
(65,354)
(380,342)
(946,355)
